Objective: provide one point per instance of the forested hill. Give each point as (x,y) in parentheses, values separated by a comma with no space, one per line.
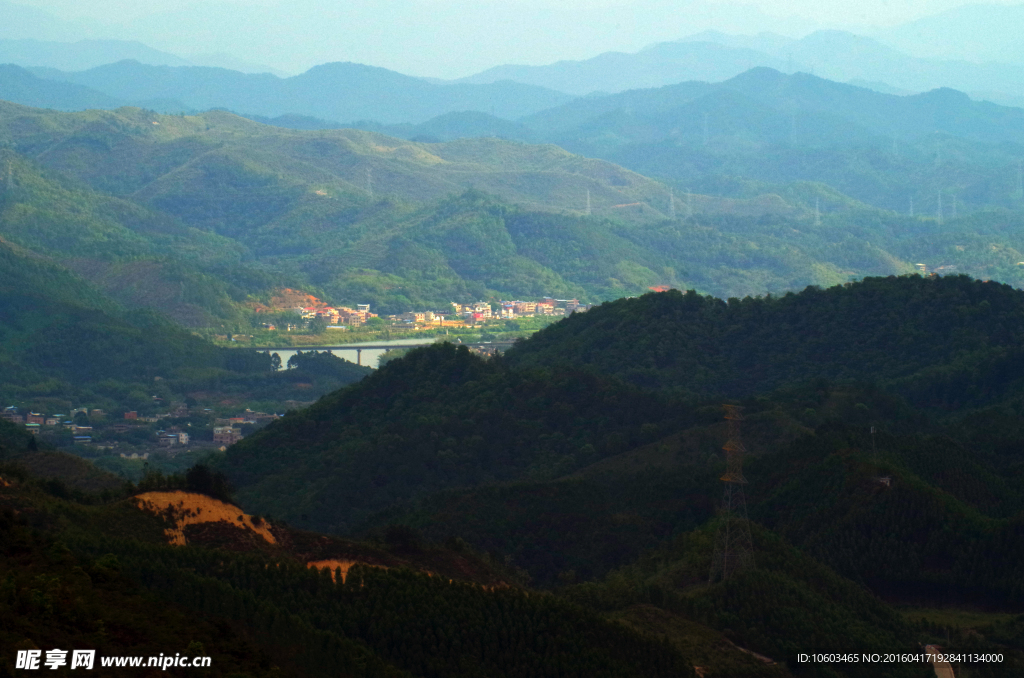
(440,417)
(944,340)
(64,344)
(765,127)
(547,458)
(606,381)
(54,324)
(95,570)
(199,216)
(57,326)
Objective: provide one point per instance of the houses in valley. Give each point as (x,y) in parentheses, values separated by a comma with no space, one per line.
(482,311)
(138,430)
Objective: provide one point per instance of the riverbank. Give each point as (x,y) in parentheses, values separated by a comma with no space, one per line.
(499,330)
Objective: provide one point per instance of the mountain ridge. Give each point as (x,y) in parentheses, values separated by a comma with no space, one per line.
(369,91)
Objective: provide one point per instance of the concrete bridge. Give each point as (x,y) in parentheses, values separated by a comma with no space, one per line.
(486,345)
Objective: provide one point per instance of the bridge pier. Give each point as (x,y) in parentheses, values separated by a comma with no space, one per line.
(359,356)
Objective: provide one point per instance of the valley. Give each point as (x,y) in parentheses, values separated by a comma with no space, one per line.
(683,361)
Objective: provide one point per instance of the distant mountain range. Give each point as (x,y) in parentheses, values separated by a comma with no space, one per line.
(337,92)
(661,64)
(770,128)
(76,56)
(712,56)
(970,41)
(973,32)
(883,149)
(21,86)
(823,112)
(84,54)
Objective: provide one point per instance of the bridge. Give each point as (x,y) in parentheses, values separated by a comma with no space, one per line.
(482,346)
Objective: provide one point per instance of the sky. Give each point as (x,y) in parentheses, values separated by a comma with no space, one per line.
(448,38)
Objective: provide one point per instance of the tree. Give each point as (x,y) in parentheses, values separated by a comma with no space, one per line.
(317,325)
(200,479)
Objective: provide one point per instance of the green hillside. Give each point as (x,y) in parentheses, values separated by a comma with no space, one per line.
(424,423)
(64,344)
(604,493)
(942,341)
(762,130)
(70,582)
(202,217)
(196,216)
(944,344)
(884,442)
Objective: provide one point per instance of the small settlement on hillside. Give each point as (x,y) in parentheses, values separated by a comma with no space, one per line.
(104,432)
(344,317)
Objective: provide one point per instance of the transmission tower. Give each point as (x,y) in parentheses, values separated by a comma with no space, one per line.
(940,207)
(671,204)
(588,202)
(734,547)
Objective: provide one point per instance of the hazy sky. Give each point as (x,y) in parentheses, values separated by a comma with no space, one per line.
(452,38)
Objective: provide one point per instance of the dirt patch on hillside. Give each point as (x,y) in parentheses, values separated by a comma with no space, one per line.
(184,509)
(289,298)
(335,565)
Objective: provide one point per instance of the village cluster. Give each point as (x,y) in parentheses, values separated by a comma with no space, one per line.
(226,431)
(457,315)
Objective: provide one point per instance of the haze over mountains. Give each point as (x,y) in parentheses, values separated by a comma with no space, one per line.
(340,92)
(842,264)
(972,48)
(973,32)
(713,56)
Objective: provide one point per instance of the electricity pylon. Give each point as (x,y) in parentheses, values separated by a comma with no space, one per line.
(734,547)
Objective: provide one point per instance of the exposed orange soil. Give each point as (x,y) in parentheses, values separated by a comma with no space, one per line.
(343,565)
(346,565)
(4,483)
(289,298)
(190,508)
(286,298)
